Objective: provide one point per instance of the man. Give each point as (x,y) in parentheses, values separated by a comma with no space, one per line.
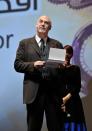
(38,90)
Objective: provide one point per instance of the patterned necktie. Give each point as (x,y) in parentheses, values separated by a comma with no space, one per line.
(44,69)
(42,47)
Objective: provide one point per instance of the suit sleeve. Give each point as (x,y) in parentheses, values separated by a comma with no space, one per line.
(20,63)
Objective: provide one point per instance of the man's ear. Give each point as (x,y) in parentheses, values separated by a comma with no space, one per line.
(50,27)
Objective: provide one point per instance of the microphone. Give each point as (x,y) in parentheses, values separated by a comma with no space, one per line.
(68,114)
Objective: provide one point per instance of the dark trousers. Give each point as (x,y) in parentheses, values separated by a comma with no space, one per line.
(35,111)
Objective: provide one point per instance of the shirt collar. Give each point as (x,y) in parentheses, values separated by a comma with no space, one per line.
(38,39)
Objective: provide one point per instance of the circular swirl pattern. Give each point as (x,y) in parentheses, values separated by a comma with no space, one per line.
(82,54)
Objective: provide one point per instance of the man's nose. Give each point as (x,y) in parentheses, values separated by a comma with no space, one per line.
(43,23)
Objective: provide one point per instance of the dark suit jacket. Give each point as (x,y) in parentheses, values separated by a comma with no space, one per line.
(27,53)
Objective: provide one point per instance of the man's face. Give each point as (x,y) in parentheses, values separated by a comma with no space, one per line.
(43,25)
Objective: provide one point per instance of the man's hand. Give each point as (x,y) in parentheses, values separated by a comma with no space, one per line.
(39,64)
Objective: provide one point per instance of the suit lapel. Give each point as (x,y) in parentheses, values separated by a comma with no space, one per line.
(35,46)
